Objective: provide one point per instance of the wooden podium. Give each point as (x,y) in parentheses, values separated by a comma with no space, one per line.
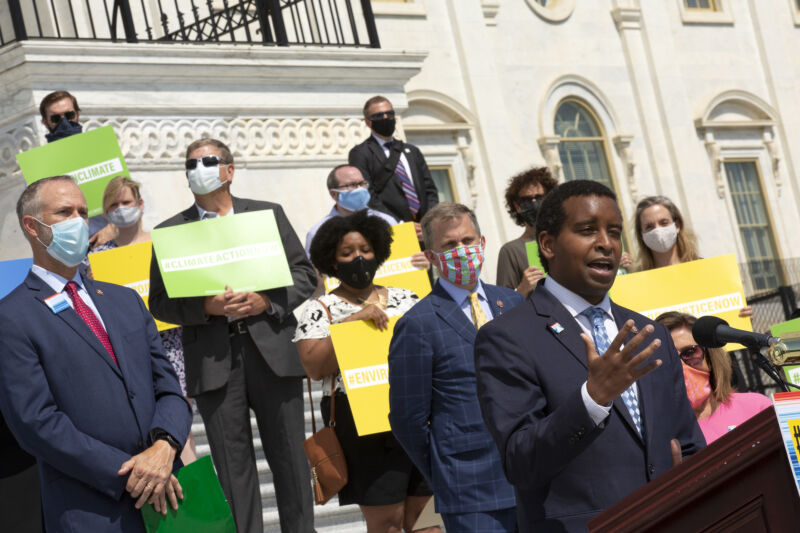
(741,482)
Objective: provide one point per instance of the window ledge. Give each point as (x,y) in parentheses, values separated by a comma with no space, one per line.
(399,9)
(723,15)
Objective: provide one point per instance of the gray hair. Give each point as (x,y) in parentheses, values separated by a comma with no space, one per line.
(29,202)
(445,211)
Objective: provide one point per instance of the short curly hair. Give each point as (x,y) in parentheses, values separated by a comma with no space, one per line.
(376,231)
(552,214)
(532,176)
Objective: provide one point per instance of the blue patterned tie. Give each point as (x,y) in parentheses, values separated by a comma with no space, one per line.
(408,186)
(601,344)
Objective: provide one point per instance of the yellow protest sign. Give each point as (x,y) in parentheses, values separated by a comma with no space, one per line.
(362,351)
(397,271)
(703,287)
(128,266)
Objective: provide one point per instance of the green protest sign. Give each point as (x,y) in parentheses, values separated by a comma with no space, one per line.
(243,251)
(92,159)
(791,372)
(532,247)
(203,508)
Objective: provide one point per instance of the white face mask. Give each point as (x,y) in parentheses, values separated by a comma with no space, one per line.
(125,216)
(662,238)
(203,179)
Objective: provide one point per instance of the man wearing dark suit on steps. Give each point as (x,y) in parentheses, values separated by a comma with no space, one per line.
(400,182)
(580,419)
(239,356)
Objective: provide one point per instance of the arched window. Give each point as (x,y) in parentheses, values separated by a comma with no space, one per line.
(582,144)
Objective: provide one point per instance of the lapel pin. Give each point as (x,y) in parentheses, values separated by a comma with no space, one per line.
(408,151)
(500,304)
(99,292)
(556,327)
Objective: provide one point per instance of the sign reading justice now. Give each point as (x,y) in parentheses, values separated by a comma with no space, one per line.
(92,159)
(243,251)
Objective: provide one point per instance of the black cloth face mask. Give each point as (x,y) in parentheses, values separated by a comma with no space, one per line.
(528,212)
(357,273)
(384,126)
(65,128)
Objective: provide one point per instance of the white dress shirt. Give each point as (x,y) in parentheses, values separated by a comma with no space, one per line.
(58,283)
(386,152)
(576,305)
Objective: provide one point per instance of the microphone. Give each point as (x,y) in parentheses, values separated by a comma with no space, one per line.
(713,332)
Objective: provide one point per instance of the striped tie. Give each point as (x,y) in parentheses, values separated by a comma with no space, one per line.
(601,342)
(408,185)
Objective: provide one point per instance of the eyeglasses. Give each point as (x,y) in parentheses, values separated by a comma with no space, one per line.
(351,186)
(208,161)
(379,116)
(526,199)
(55,118)
(692,353)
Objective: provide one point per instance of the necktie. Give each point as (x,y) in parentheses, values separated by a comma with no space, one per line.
(408,185)
(478,316)
(601,343)
(88,316)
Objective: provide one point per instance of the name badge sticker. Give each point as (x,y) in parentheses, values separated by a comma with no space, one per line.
(57,303)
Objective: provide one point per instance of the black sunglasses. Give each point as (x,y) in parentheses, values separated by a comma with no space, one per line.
(692,352)
(55,118)
(526,199)
(208,161)
(379,116)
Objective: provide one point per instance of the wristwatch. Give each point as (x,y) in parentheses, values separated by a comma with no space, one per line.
(160,434)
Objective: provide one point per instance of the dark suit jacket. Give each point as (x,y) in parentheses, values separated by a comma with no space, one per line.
(76,411)
(206,346)
(432,379)
(370,159)
(564,468)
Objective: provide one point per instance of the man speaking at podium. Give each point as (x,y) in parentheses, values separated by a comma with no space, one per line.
(585,399)
(84,383)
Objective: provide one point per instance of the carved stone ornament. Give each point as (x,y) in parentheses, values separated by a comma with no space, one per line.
(549,148)
(714,151)
(623,145)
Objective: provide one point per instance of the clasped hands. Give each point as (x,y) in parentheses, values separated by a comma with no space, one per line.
(151,480)
(236,304)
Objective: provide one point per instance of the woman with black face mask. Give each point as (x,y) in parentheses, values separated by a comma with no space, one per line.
(524,195)
(382,480)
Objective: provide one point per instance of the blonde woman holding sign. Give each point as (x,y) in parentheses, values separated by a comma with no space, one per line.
(123,206)
(664,239)
(382,480)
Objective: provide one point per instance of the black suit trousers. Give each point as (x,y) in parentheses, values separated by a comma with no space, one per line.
(278,405)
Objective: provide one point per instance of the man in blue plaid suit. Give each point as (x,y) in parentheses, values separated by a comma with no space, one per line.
(434,409)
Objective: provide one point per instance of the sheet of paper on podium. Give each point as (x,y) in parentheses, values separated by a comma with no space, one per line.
(397,270)
(203,509)
(12,273)
(128,266)
(704,287)
(362,351)
(787,408)
(244,251)
(92,158)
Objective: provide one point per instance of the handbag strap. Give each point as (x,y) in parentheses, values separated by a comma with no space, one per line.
(389,166)
(333,386)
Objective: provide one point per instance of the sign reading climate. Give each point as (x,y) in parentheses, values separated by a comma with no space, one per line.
(704,287)
(243,251)
(92,159)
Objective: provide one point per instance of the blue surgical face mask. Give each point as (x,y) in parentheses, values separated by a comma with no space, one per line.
(203,179)
(354,200)
(70,240)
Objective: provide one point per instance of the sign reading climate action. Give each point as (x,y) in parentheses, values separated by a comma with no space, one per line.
(362,351)
(128,266)
(703,287)
(243,251)
(92,159)
(397,270)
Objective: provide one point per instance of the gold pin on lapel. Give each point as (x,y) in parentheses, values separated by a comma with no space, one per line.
(99,292)
(500,303)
